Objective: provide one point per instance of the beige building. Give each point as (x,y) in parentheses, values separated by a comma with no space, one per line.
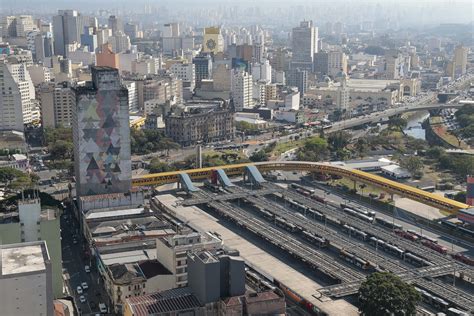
(460,60)
(213,41)
(56,102)
(172,252)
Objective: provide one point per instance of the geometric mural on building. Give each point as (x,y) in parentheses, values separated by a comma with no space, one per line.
(103,141)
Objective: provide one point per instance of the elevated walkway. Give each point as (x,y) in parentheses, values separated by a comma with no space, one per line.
(186,183)
(253,175)
(223,178)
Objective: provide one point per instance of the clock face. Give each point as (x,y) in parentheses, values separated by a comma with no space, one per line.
(211,44)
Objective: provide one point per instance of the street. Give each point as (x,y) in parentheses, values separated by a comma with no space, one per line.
(74,271)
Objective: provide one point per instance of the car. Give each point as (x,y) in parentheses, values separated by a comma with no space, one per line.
(102,308)
(82,298)
(84,285)
(74,241)
(79,289)
(87,269)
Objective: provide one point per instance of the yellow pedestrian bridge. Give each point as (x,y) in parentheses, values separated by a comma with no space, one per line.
(386,185)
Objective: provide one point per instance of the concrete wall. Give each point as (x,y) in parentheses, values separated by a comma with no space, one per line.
(10,233)
(51,233)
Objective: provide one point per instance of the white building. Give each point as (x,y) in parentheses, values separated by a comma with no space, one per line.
(186,72)
(39,74)
(172,252)
(262,71)
(56,103)
(242,90)
(337,62)
(146,65)
(292,101)
(132,94)
(26,279)
(120,42)
(16,99)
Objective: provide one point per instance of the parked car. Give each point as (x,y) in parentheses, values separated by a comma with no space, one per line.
(84,285)
(87,269)
(79,289)
(82,298)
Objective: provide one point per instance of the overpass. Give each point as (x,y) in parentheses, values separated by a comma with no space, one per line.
(378,116)
(387,185)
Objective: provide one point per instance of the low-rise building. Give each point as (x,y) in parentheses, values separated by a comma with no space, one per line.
(15,161)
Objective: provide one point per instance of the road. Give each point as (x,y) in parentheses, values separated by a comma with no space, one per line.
(73,267)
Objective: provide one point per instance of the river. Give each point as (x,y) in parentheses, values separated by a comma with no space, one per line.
(414,127)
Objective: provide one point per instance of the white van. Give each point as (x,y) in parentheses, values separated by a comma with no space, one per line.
(102,308)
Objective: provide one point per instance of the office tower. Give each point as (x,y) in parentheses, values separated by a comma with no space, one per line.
(213,41)
(115,24)
(131,29)
(56,102)
(26,279)
(68,26)
(103,35)
(101,134)
(242,90)
(43,44)
(11,115)
(18,92)
(393,64)
(17,26)
(460,61)
(304,45)
(258,52)
(321,63)
(106,57)
(262,71)
(298,78)
(203,68)
(222,78)
(337,62)
(131,87)
(186,72)
(89,38)
(171,30)
(120,42)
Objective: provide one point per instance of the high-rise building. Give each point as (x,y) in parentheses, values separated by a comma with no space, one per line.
(321,63)
(304,45)
(68,26)
(242,90)
(25,275)
(115,24)
(120,42)
(186,72)
(213,41)
(11,114)
(298,78)
(89,38)
(131,29)
(203,68)
(101,135)
(18,92)
(337,62)
(106,57)
(56,103)
(17,26)
(460,61)
(171,30)
(393,64)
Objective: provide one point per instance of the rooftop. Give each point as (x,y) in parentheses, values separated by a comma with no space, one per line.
(23,258)
(112,213)
(163,302)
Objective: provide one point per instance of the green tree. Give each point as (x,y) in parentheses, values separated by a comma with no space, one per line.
(52,135)
(314,149)
(246,127)
(434,152)
(413,164)
(258,156)
(157,166)
(61,149)
(339,140)
(460,197)
(397,122)
(385,294)
(361,146)
(16,179)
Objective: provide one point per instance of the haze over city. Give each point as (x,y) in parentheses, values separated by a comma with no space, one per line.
(236,158)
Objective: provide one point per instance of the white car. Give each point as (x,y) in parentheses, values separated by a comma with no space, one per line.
(84,285)
(79,289)
(82,298)
(87,269)
(102,308)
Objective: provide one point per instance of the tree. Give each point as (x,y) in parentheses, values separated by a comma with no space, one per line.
(361,147)
(413,164)
(314,149)
(339,140)
(61,149)
(397,122)
(385,294)
(258,156)
(460,196)
(157,166)
(16,179)
(435,152)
